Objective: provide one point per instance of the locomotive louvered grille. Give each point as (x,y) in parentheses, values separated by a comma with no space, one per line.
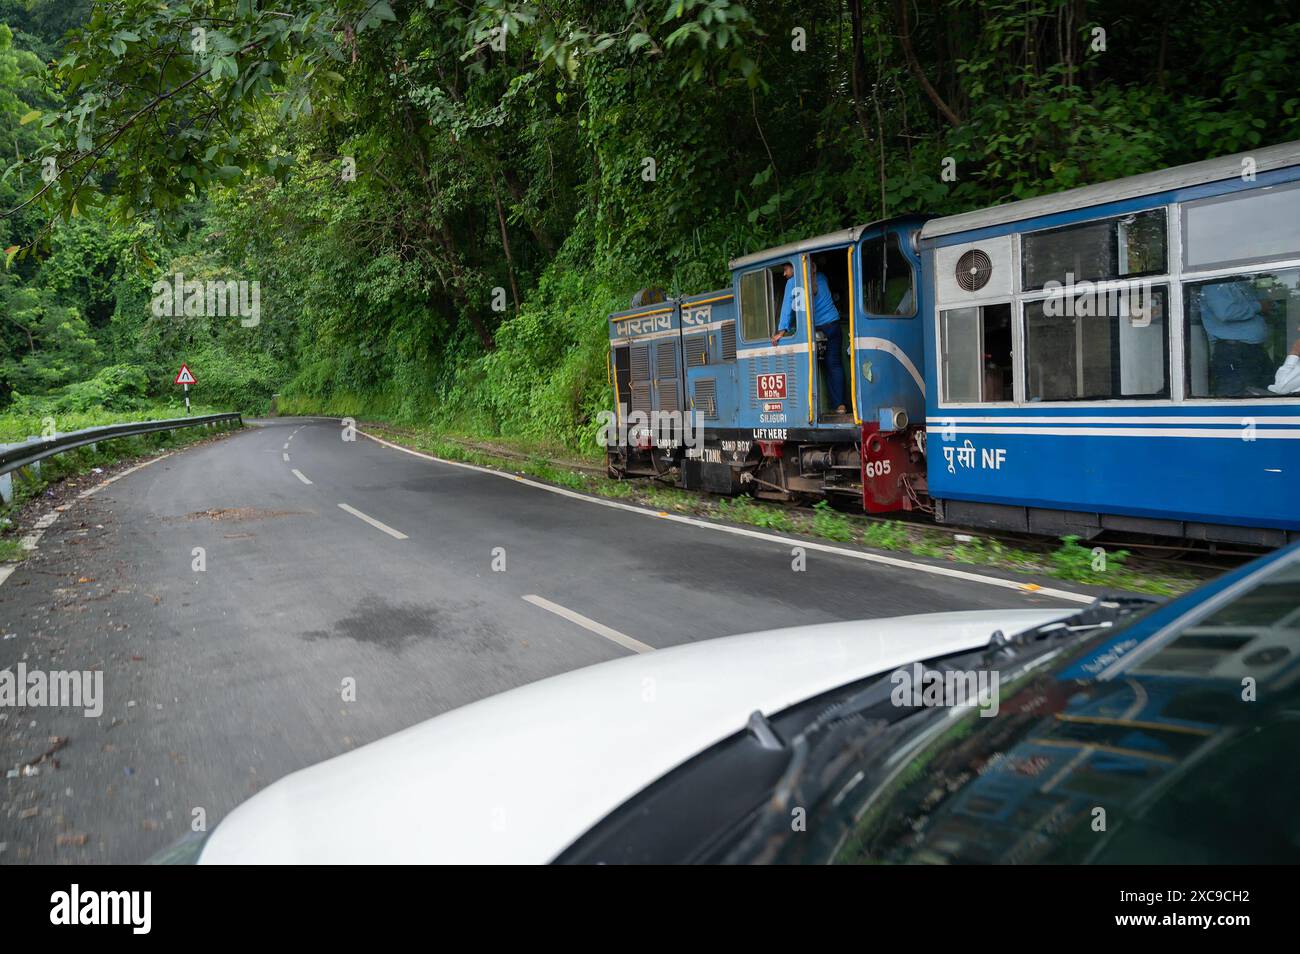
(729,341)
(641,398)
(697,349)
(666,360)
(668,396)
(706,398)
(641,362)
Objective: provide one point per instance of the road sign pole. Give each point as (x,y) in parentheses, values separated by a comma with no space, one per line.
(185,376)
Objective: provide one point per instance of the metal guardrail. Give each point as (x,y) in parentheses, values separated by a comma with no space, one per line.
(35,450)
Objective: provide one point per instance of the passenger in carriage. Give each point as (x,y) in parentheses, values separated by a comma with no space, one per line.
(1287,379)
(826,319)
(1233,316)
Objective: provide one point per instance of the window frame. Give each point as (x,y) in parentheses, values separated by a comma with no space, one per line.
(1174,278)
(1167,286)
(772,319)
(1020,278)
(1230,265)
(942,378)
(861,278)
(1019,297)
(1185,318)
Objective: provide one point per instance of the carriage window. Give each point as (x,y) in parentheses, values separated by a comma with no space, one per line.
(1098,346)
(1240,330)
(756,306)
(1252,226)
(976,354)
(1118,247)
(888,287)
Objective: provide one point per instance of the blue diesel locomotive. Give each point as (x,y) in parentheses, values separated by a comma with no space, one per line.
(1124,356)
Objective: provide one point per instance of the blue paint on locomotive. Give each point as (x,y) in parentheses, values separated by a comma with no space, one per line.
(738,381)
(888,350)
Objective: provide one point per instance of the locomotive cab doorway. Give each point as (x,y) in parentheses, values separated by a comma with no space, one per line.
(834,265)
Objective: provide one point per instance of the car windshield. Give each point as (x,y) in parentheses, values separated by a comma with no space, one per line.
(1170,746)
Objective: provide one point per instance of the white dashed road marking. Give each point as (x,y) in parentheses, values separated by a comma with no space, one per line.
(378,525)
(301,476)
(600,629)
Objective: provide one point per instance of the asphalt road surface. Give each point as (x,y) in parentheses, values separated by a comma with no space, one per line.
(326,561)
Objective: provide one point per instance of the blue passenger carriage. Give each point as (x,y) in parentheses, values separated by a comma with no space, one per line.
(1106,358)
(1123,357)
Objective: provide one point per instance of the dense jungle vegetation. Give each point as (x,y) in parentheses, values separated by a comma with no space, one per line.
(441,200)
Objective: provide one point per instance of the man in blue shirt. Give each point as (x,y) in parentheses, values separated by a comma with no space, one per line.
(1233,316)
(826,319)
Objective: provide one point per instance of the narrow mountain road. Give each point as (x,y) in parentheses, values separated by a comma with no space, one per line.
(264,602)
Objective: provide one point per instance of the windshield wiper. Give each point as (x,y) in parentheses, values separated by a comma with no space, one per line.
(815,756)
(818,752)
(1105,612)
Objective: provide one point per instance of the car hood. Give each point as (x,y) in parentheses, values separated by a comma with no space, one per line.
(517,777)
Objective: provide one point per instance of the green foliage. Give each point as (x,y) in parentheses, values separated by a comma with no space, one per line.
(119,387)
(1074,562)
(885,535)
(744,511)
(829,524)
(18,424)
(53,346)
(442,201)
(543,470)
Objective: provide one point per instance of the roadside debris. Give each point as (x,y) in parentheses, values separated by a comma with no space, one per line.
(57,742)
(241,513)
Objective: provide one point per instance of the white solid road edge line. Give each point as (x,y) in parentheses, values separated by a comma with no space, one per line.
(30,540)
(301,476)
(759,535)
(378,525)
(600,629)
(126,473)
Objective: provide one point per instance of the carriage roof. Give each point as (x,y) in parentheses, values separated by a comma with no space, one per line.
(1130,187)
(829,240)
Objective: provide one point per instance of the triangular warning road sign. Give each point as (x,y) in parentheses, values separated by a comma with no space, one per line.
(185,376)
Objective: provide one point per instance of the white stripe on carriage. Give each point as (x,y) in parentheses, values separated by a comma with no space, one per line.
(884,344)
(771,352)
(710,326)
(631,339)
(940,420)
(1221,433)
